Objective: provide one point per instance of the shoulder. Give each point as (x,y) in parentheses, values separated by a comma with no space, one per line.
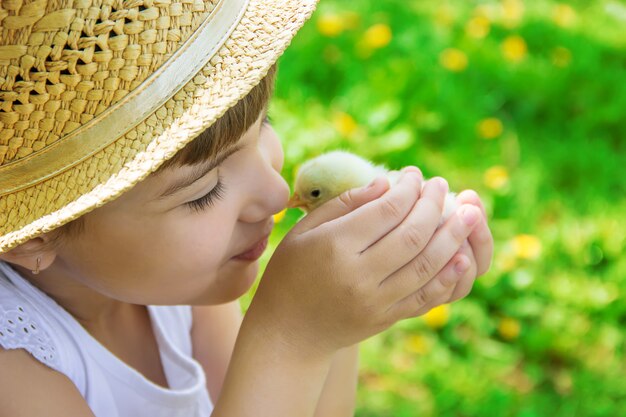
(23,326)
(29,388)
(32,323)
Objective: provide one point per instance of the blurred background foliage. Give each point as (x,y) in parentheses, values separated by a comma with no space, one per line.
(523,101)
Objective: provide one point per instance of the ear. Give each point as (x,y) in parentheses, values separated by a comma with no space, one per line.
(26,254)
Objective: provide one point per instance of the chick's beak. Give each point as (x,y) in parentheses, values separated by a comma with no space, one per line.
(296,202)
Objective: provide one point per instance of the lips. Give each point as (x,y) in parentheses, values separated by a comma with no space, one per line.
(254,252)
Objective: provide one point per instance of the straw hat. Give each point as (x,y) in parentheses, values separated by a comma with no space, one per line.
(96,94)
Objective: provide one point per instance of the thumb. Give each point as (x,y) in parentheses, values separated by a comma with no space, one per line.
(343,204)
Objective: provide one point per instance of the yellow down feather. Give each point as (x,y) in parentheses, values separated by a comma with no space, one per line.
(325,177)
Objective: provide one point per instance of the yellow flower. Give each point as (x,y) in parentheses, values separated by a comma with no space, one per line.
(453,60)
(561,57)
(512,12)
(418,344)
(478,27)
(490,128)
(377,36)
(345,124)
(526,246)
(514,48)
(278,217)
(509,329)
(330,24)
(564,15)
(438,316)
(496,177)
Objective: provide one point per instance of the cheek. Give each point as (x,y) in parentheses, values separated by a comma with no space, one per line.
(177,257)
(198,240)
(178,241)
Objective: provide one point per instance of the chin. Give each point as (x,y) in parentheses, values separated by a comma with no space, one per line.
(232,284)
(246,278)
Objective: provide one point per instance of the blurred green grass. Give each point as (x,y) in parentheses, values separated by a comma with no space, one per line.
(523,102)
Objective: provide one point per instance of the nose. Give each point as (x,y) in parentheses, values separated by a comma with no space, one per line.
(268,192)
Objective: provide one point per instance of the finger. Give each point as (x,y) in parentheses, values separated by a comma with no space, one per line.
(377,218)
(435,292)
(457,269)
(468,277)
(440,250)
(403,243)
(349,201)
(481,239)
(481,242)
(471,197)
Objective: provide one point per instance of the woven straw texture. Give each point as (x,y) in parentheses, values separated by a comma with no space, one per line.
(64,62)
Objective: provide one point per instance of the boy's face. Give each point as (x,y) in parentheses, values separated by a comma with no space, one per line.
(181,249)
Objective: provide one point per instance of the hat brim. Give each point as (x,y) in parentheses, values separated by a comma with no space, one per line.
(264,31)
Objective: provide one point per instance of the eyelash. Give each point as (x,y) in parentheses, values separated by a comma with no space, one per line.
(209,199)
(217,193)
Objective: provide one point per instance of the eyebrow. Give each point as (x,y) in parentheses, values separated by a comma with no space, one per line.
(198,172)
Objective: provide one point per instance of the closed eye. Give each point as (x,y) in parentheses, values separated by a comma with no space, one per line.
(209,199)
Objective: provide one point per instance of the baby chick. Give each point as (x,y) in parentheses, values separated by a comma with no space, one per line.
(325,177)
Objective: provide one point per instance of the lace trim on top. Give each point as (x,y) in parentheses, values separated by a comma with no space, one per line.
(18,331)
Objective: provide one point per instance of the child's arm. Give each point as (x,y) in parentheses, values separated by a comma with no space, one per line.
(347,271)
(339,393)
(338,398)
(30,389)
(219,325)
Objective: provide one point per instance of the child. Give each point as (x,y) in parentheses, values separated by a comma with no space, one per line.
(139,176)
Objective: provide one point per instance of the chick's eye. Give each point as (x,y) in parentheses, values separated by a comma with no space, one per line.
(209,199)
(315,193)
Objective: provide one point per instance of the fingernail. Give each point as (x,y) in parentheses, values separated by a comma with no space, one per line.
(461,266)
(412,169)
(442,184)
(469,215)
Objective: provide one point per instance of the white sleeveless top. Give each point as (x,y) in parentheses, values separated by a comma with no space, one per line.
(32,321)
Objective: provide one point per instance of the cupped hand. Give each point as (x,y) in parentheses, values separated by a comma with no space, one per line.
(363,261)
(472,260)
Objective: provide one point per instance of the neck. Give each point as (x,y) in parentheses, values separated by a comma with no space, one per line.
(89,307)
(125,329)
